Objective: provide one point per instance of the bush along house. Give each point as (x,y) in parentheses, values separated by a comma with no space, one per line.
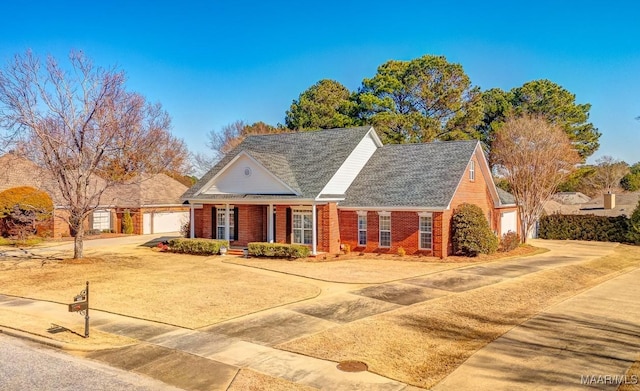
(330,188)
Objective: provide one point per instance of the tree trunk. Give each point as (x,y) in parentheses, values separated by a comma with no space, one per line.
(76,223)
(78,243)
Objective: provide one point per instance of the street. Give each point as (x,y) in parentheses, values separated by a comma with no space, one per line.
(29,367)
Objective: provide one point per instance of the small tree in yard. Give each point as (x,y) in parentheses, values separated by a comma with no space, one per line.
(471,234)
(84,130)
(127,223)
(534,156)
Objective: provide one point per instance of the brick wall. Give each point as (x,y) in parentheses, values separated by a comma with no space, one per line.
(473,192)
(328,228)
(404,232)
(251,224)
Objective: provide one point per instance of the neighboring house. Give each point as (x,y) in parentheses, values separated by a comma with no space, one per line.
(601,205)
(337,187)
(154,202)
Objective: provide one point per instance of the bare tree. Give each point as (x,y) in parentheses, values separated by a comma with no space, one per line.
(230,136)
(534,156)
(84,129)
(608,174)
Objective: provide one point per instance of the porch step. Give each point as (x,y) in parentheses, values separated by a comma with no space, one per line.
(235,251)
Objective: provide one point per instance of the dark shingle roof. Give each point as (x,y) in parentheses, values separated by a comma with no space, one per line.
(506,198)
(305,161)
(411,175)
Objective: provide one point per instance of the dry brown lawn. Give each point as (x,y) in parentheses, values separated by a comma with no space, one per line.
(248,380)
(370,268)
(423,343)
(72,335)
(184,290)
(633,376)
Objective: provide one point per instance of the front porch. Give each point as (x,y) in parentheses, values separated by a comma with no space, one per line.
(314,225)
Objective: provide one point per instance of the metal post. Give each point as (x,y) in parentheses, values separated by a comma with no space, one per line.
(86,315)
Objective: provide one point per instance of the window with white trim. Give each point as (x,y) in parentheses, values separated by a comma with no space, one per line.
(302,226)
(426,232)
(221,219)
(101,220)
(385,230)
(362,229)
(472,170)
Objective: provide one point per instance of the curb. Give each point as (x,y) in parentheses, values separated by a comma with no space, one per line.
(53,343)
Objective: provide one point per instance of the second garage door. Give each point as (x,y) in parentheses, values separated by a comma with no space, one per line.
(508,222)
(163,222)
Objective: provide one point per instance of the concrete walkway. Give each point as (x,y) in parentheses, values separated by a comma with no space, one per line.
(206,360)
(574,345)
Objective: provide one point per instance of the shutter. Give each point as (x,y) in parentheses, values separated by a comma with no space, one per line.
(275,232)
(235,223)
(214,223)
(289,221)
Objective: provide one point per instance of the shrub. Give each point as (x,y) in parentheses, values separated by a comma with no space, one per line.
(471,234)
(22,209)
(584,227)
(633,235)
(127,223)
(401,251)
(94,232)
(346,248)
(197,246)
(509,242)
(280,250)
(185,229)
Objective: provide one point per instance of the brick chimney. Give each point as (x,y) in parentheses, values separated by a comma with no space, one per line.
(609,201)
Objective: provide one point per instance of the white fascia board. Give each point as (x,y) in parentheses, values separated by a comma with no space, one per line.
(264,201)
(238,156)
(392,208)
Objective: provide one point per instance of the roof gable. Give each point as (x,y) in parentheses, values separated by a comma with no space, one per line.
(411,175)
(303,161)
(246,175)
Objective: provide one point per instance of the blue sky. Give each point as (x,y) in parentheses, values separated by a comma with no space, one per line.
(212,63)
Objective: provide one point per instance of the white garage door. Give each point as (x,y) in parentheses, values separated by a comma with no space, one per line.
(161,222)
(508,222)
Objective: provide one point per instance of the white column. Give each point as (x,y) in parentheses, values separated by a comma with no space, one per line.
(226,222)
(314,233)
(270,238)
(192,222)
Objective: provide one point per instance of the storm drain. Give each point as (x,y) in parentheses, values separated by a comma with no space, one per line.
(352,366)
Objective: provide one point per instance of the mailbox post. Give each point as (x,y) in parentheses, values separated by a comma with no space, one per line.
(81,305)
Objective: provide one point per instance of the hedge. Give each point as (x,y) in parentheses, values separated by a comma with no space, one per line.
(280,250)
(585,227)
(197,246)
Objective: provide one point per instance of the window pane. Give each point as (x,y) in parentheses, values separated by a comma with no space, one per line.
(297,221)
(362,238)
(362,222)
(220,233)
(307,220)
(385,239)
(297,236)
(425,224)
(307,237)
(425,240)
(385,223)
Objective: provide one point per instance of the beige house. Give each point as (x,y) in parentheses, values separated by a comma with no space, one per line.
(153,201)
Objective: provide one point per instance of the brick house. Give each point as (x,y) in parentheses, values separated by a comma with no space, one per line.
(329,188)
(154,202)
